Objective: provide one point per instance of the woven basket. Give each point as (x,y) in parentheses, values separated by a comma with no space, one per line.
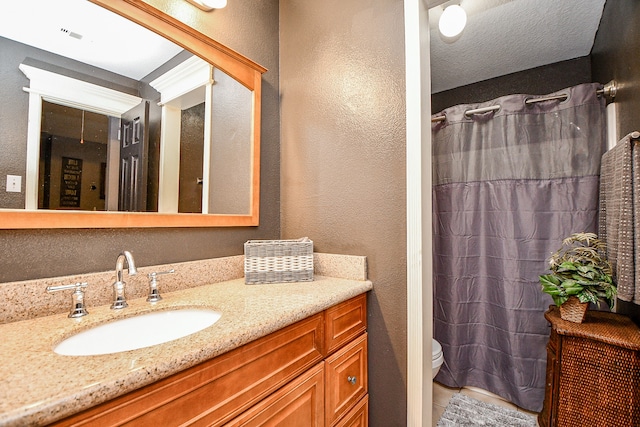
(573,310)
(278,261)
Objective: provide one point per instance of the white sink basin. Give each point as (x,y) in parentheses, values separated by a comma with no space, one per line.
(139,331)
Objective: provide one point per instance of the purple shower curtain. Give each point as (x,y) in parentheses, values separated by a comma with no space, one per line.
(508,186)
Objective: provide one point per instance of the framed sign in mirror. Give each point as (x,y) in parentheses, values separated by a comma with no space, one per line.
(170,140)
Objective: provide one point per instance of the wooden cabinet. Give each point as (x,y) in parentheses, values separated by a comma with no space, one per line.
(281,379)
(215,391)
(344,322)
(593,372)
(358,416)
(299,403)
(346,379)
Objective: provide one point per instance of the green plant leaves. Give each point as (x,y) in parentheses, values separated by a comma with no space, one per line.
(580,268)
(572,287)
(588,271)
(549,280)
(566,266)
(552,285)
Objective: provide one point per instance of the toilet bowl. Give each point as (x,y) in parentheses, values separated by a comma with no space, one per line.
(437,357)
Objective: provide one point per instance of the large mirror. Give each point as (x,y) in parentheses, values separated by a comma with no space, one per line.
(148,134)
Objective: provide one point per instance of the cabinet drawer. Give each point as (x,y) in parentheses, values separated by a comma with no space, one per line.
(358,416)
(299,403)
(346,379)
(217,390)
(345,321)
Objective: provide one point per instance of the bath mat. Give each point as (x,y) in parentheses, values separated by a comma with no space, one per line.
(465,411)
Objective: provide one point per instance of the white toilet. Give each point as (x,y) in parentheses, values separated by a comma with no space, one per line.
(436,357)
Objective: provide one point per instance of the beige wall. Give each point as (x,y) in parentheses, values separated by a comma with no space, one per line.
(343,161)
(251,28)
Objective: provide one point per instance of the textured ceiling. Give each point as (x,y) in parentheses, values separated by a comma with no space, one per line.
(501,37)
(88,33)
(506,36)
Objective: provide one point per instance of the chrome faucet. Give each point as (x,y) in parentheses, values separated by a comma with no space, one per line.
(154,294)
(78,309)
(119,298)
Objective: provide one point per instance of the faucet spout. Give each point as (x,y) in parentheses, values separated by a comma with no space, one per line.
(131,265)
(119,298)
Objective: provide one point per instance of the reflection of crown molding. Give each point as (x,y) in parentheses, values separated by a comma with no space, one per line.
(183,85)
(75,93)
(208,5)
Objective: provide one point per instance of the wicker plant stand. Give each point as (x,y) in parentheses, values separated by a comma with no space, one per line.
(593,372)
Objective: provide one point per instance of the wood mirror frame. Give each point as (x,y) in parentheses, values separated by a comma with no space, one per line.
(234,64)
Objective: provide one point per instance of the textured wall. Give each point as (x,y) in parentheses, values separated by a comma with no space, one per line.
(343,161)
(615,56)
(536,81)
(247,26)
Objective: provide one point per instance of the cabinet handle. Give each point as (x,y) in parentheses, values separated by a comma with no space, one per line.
(352,380)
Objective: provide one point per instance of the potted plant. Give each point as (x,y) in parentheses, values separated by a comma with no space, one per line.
(580,274)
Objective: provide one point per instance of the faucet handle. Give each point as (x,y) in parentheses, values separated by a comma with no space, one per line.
(154,295)
(78,309)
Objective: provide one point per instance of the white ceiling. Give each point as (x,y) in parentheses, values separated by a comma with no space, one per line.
(506,36)
(80,30)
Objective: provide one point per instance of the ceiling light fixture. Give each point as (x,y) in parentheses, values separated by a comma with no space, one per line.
(452,21)
(208,5)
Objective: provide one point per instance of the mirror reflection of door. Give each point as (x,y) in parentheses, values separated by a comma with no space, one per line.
(134,142)
(73,158)
(191,159)
(78,168)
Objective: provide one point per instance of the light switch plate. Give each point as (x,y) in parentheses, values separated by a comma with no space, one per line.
(14,183)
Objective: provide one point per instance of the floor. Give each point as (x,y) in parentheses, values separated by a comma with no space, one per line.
(442,394)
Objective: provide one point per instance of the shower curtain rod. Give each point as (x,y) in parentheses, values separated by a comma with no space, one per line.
(608,91)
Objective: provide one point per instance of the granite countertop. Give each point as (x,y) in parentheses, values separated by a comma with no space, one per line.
(38,386)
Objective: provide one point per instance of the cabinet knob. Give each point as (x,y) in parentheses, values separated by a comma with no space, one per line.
(352,379)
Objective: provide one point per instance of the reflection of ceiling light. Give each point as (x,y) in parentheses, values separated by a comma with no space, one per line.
(82,129)
(209,4)
(452,21)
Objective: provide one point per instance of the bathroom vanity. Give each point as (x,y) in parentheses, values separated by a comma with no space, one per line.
(305,374)
(294,352)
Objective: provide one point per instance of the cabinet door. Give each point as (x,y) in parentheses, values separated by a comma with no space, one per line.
(299,403)
(346,379)
(358,416)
